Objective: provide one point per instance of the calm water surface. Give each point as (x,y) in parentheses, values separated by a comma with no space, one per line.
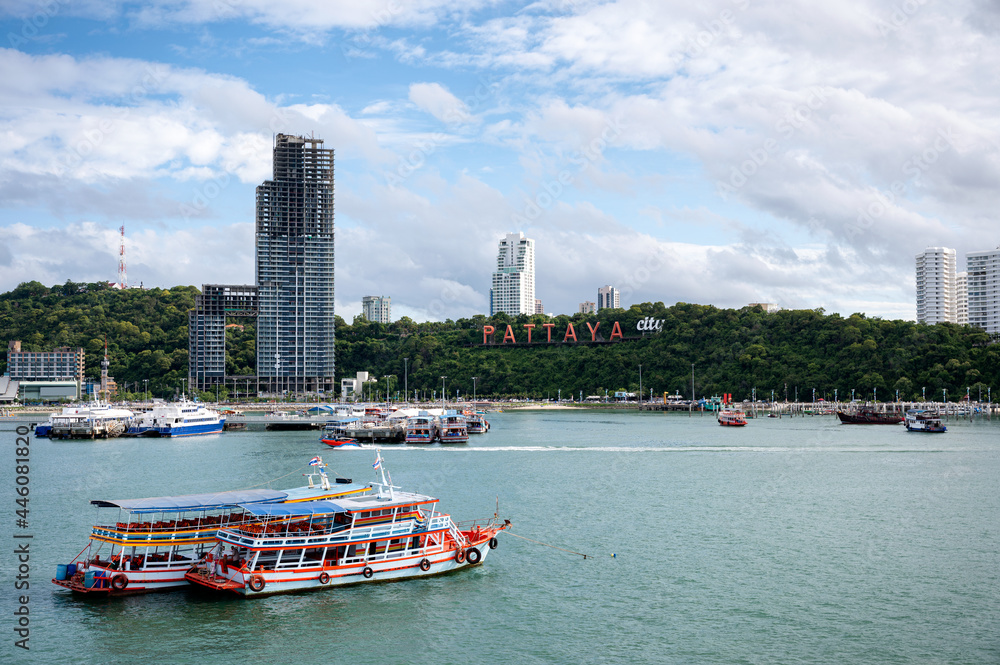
(788,541)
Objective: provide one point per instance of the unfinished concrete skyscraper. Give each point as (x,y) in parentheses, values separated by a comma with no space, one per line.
(295,253)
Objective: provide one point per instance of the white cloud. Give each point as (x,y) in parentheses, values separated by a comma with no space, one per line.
(435,99)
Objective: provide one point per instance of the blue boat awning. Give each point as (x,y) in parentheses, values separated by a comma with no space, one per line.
(209,501)
(294,509)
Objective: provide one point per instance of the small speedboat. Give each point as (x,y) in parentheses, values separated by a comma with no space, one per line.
(341,443)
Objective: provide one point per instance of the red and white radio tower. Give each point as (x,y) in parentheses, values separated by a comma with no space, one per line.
(122,275)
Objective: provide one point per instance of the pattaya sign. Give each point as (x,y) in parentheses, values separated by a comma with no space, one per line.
(647,324)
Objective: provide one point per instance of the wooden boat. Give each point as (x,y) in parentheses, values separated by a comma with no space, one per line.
(154,541)
(868,416)
(382,535)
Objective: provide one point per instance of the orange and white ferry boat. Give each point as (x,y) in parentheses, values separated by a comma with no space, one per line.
(377,536)
(154,541)
(732,418)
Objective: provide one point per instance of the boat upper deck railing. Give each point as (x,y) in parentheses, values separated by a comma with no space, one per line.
(252,536)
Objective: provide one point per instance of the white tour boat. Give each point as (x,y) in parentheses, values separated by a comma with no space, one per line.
(919,420)
(156,540)
(183,418)
(96,420)
(377,536)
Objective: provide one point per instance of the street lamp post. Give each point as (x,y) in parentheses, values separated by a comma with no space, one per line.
(146,389)
(406,385)
(640,386)
(474,391)
(443,395)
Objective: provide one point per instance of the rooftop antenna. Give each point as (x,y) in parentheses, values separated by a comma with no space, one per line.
(122,275)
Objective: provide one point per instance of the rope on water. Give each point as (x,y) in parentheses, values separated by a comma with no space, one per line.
(538,542)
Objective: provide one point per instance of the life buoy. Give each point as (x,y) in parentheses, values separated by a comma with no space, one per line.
(493,543)
(473,556)
(460,556)
(425,565)
(324,577)
(257,583)
(368,572)
(119,582)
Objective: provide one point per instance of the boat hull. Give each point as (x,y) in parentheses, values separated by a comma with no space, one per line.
(869,418)
(387,570)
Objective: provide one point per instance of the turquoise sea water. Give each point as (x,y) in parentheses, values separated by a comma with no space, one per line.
(787,541)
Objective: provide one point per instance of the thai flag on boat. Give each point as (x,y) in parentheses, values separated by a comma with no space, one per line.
(378,462)
(315,461)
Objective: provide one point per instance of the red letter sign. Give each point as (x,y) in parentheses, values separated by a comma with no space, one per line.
(487,330)
(528,327)
(570,332)
(616,332)
(593,330)
(510,334)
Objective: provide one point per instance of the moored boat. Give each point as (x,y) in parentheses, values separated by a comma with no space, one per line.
(452,428)
(181,419)
(476,423)
(154,541)
(732,418)
(868,416)
(921,420)
(96,420)
(381,535)
(420,429)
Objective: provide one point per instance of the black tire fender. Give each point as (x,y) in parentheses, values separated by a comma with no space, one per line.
(257,583)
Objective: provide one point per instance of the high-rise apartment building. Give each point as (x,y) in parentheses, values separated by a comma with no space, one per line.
(377,309)
(588,307)
(513,290)
(962,298)
(937,297)
(608,297)
(295,253)
(983,270)
(539,309)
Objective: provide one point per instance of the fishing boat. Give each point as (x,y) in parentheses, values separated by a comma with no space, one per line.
(154,541)
(378,536)
(921,420)
(420,428)
(452,428)
(732,418)
(183,418)
(867,415)
(341,442)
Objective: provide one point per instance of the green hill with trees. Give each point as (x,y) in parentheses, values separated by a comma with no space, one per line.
(732,350)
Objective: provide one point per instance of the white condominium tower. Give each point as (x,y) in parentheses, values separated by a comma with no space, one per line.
(937,286)
(513,289)
(983,270)
(377,309)
(608,297)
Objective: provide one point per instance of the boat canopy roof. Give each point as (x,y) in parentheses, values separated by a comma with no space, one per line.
(291,509)
(210,501)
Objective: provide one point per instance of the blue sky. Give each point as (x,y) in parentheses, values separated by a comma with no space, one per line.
(724,153)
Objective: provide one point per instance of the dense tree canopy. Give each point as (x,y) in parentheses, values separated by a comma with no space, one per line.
(732,350)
